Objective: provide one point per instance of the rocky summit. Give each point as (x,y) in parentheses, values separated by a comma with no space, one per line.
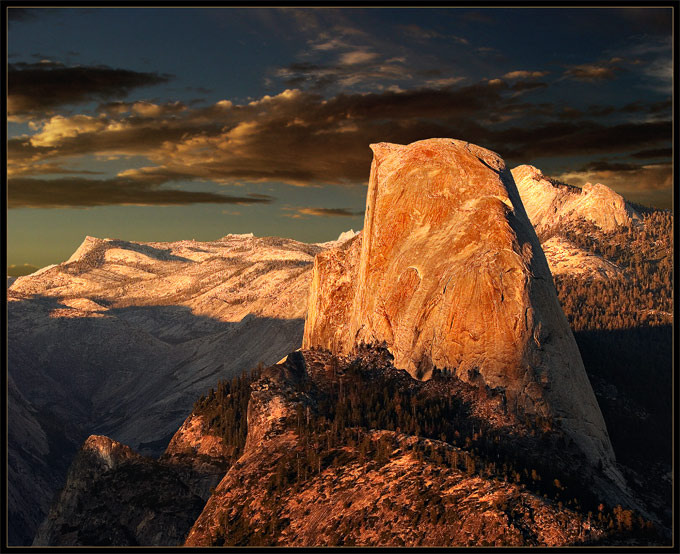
(549,202)
(449,273)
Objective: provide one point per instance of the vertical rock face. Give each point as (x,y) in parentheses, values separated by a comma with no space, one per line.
(449,273)
(548,203)
(116,497)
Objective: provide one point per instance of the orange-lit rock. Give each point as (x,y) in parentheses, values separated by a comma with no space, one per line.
(450,273)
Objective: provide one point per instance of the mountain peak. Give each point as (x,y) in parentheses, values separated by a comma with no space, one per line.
(549,202)
(108,452)
(449,273)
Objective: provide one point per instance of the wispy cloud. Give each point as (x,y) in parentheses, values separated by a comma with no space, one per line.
(422,34)
(299,212)
(357,57)
(626,179)
(443,82)
(591,72)
(523,74)
(26,192)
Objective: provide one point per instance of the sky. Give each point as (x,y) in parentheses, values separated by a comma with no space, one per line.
(164,124)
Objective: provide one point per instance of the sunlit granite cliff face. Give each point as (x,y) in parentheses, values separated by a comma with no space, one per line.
(549,203)
(448,271)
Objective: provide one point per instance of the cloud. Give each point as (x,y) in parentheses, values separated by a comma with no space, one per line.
(38,88)
(46,169)
(606,165)
(522,74)
(581,138)
(591,72)
(443,82)
(59,128)
(653,153)
(357,57)
(26,192)
(523,86)
(661,108)
(322,212)
(330,44)
(305,139)
(631,182)
(354,70)
(422,34)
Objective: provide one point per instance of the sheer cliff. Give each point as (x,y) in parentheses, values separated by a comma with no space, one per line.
(449,273)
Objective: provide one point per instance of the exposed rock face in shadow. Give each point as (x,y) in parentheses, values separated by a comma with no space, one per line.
(123,337)
(548,203)
(114,496)
(450,273)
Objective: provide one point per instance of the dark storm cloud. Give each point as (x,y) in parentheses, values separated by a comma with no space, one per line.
(604,165)
(79,192)
(653,153)
(580,138)
(41,87)
(662,107)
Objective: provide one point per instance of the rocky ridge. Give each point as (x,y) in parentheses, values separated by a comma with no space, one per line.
(347,497)
(121,339)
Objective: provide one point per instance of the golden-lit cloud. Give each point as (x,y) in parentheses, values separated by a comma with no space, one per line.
(357,57)
(590,72)
(300,212)
(522,74)
(304,139)
(58,128)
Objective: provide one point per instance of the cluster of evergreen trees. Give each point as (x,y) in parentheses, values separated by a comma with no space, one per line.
(643,296)
(225,409)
